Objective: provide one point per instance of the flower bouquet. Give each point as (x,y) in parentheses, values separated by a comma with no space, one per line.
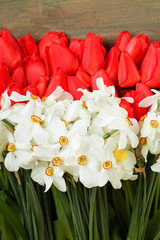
(80,138)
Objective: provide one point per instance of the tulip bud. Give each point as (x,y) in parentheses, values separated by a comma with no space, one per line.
(40,85)
(18,77)
(13,87)
(10,53)
(150,68)
(112,64)
(73,84)
(83,76)
(31,89)
(128,74)
(4,78)
(93,57)
(77,48)
(143,89)
(33,68)
(57,79)
(61,57)
(128,107)
(138,111)
(49,39)
(106,79)
(28,45)
(123,40)
(137,48)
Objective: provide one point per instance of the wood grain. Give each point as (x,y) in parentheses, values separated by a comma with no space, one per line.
(77,18)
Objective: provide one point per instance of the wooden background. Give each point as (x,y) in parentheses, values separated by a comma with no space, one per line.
(77,18)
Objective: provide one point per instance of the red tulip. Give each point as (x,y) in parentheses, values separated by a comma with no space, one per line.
(34,68)
(50,38)
(106,79)
(77,48)
(94,56)
(31,89)
(4,78)
(18,77)
(137,48)
(61,57)
(143,89)
(13,87)
(150,68)
(28,45)
(73,84)
(122,40)
(128,74)
(10,53)
(83,76)
(40,85)
(127,106)
(138,95)
(57,79)
(112,64)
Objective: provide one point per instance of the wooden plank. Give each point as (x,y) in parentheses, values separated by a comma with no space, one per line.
(77,18)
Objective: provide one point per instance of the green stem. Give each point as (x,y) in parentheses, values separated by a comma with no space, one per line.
(134,222)
(107,135)
(156,201)
(91,213)
(8,123)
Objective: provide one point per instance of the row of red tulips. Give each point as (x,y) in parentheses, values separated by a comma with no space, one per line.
(132,66)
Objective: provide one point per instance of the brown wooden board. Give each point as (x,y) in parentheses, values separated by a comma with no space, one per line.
(77,18)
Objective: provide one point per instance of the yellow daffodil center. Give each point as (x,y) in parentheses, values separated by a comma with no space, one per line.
(84,105)
(32,148)
(120,155)
(56,161)
(43,99)
(49,171)
(33,97)
(154,123)
(143,117)
(107,165)
(35,119)
(63,140)
(42,123)
(128,121)
(11,147)
(82,160)
(143,141)
(66,124)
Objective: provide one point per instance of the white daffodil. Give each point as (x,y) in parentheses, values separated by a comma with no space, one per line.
(156,167)
(19,155)
(77,110)
(118,120)
(3,139)
(116,164)
(56,102)
(84,163)
(152,101)
(5,106)
(151,126)
(62,134)
(46,174)
(99,99)
(31,127)
(34,104)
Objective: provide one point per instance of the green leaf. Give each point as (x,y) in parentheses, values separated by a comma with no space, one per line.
(153,229)
(63,212)
(120,208)
(59,233)
(12,219)
(37,215)
(6,233)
